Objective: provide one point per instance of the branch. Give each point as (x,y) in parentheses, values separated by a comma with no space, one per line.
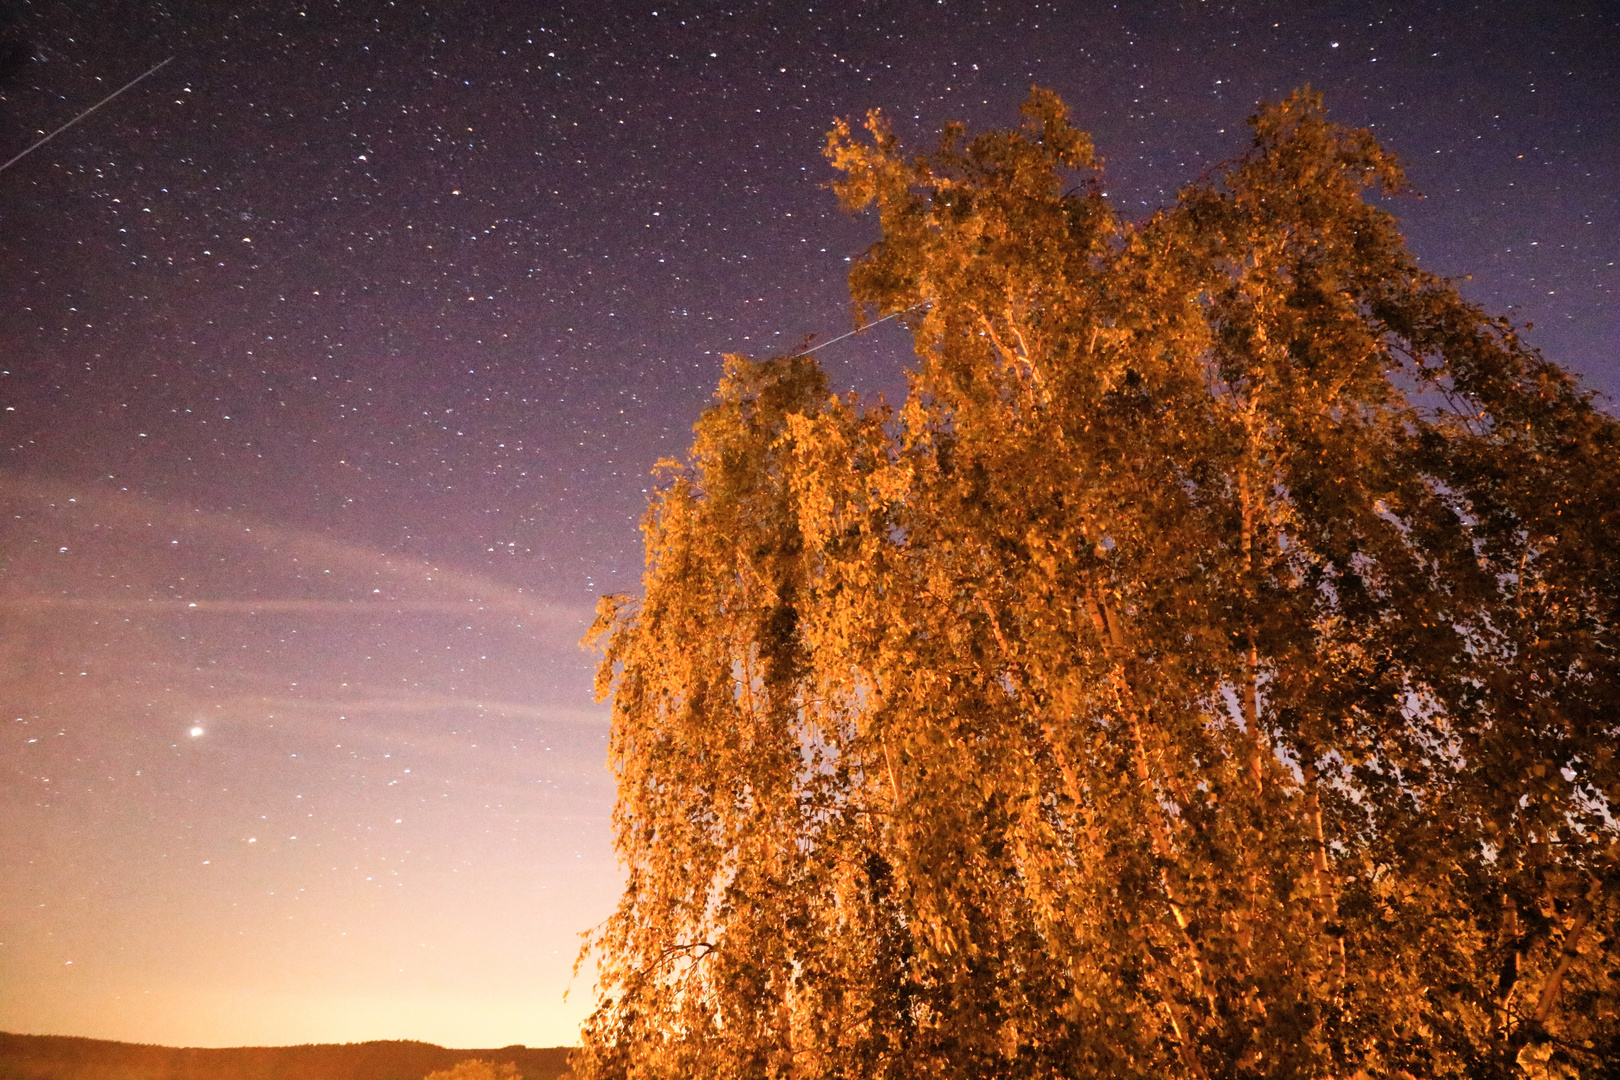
(670,952)
(1555,981)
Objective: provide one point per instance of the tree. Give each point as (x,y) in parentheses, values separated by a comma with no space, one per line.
(1209,670)
(477,1069)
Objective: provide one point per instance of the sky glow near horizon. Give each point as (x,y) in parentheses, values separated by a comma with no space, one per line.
(337,352)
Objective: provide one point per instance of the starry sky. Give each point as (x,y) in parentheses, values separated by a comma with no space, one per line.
(334,357)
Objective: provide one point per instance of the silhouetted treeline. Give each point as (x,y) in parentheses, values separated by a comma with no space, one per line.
(56,1057)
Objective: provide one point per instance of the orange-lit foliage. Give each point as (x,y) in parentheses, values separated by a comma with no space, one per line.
(1210,670)
(477,1069)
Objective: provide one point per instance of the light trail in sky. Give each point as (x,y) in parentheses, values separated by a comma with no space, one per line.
(24,153)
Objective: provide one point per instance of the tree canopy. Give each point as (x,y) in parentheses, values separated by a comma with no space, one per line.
(477,1069)
(1209,670)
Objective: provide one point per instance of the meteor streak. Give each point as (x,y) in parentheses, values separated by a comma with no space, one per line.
(81,116)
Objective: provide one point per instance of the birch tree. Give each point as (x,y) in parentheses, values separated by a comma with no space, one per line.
(1208,670)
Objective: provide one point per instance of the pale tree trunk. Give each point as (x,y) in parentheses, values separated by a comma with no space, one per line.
(1106,623)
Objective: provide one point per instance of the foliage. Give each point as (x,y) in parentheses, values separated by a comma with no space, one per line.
(1209,670)
(477,1069)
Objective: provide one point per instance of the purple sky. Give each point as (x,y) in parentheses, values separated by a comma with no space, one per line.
(336,354)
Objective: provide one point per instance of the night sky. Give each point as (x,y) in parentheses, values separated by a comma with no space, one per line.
(336,355)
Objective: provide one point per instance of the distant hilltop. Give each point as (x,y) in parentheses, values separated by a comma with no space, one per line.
(61,1057)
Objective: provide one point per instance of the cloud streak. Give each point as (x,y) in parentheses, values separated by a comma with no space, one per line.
(120,525)
(514,710)
(369,608)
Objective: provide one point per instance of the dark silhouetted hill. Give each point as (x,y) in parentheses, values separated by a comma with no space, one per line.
(60,1057)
